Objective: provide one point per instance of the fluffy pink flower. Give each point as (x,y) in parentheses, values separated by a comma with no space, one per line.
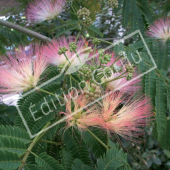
(78,117)
(41,10)
(127,120)
(160,29)
(22,71)
(52,49)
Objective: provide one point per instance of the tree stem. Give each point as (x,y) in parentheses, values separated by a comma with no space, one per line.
(33,143)
(119,77)
(24,30)
(51,142)
(51,93)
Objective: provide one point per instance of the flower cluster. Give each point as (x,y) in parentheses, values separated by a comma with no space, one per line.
(84,16)
(77,117)
(41,10)
(22,71)
(160,29)
(128,120)
(66,53)
(116,113)
(113,3)
(115,109)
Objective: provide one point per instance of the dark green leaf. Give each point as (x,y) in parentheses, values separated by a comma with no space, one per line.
(9,161)
(47,162)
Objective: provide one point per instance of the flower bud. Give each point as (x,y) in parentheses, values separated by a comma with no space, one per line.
(129,76)
(129,68)
(122,54)
(62,50)
(83,13)
(87,21)
(73,47)
(113,3)
(96,41)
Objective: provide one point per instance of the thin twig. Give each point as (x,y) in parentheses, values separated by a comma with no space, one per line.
(107,148)
(33,143)
(24,30)
(51,142)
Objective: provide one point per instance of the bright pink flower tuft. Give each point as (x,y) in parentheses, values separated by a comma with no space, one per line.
(52,49)
(78,117)
(160,29)
(22,71)
(42,10)
(127,120)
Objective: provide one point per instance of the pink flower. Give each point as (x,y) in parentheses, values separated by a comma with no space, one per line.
(22,71)
(41,10)
(52,49)
(127,120)
(160,29)
(77,116)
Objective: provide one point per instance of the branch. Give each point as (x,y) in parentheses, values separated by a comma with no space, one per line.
(33,143)
(51,142)
(107,148)
(24,30)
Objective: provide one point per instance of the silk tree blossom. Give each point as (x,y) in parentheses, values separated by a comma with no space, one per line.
(22,71)
(128,120)
(160,29)
(78,115)
(41,10)
(75,58)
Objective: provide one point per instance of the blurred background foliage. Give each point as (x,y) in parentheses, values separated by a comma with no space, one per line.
(107,23)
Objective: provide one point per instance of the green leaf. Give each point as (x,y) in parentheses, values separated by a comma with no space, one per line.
(157,161)
(150,85)
(113,160)
(136,17)
(165,140)
(9,161)
(97,149)
(47,162)
(167,153)
(7,114)
(77,148)
(15,133)
(168,97)
(166,57)
(32,167)
(132,16)
(12,145)
(67,159)
(79,165)
(95,30)
(36,100)
(145,10)
(66,30)
(126,12)
(66,24)
(161,106)
(161,55)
